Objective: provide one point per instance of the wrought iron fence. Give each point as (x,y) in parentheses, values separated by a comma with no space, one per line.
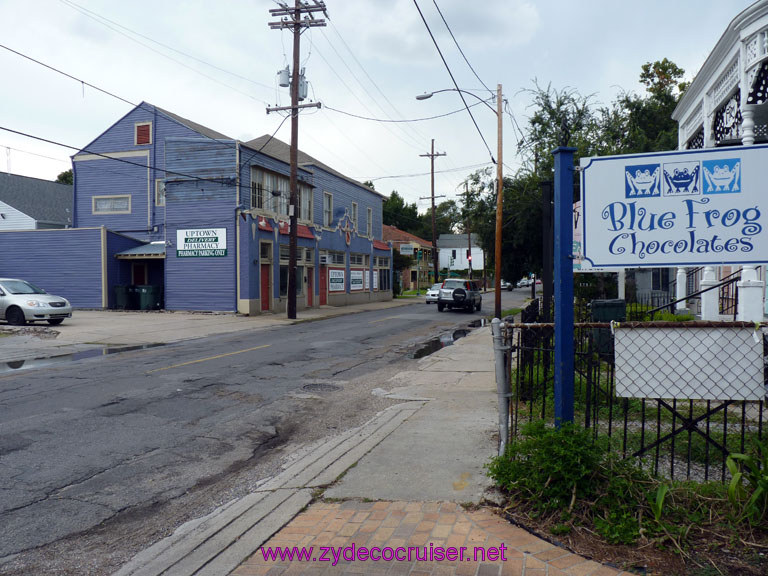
(680,397)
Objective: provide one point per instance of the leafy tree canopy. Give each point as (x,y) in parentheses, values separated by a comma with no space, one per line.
(65,178)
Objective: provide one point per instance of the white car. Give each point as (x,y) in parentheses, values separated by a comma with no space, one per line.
(432,293)
(22,302)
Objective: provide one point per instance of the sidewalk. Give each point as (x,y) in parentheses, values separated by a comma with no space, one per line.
(411,477)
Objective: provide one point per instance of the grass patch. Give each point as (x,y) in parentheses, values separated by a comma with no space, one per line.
(566,483)
(510,312)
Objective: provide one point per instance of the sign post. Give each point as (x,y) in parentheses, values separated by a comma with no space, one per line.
(564,359)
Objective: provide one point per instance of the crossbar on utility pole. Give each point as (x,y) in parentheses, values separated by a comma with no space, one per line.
(292,19)
(431,157)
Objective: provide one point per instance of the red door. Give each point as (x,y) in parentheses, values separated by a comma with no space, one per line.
(310,284)
(323,285)
(264,287)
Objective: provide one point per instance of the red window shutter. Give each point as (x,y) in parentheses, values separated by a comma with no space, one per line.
(142,134)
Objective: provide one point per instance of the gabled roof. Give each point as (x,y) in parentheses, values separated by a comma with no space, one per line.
(456,241)
(43,200)
(394,234)
(199,128)
(279,150)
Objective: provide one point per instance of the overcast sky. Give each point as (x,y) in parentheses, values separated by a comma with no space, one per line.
(215,62)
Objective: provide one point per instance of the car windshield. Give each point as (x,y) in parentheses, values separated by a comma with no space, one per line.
(435,286)
(21,287)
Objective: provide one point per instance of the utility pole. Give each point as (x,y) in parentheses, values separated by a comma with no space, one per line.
(499,211)
(431,157)
(294,19)
(466,225)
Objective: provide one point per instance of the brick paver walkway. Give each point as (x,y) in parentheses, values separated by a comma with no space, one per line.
(416,524)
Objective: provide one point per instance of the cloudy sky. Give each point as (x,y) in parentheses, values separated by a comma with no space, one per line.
(216,63)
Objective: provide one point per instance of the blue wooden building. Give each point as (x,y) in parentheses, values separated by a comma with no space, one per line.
(160,200)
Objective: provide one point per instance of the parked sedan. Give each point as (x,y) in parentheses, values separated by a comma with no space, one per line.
(506,285)
(433,293)
(22,302)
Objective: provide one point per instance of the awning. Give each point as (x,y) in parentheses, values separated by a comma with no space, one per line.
(155,251)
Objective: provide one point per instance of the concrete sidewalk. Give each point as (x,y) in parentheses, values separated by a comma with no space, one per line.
(411,477)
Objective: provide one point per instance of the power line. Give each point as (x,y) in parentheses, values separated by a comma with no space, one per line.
(111,25)
(434,41)
(123,160)
(382,120)
(459,47)
(459,169)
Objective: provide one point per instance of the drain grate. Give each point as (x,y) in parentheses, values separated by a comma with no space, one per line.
(321,387)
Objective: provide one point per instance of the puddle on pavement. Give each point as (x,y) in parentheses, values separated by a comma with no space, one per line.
(477,323)
(435,344)
(63,358)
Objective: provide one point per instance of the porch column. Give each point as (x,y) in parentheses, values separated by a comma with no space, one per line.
(709,300)
(681,288)
(750,308)
(748,124)
(622,280)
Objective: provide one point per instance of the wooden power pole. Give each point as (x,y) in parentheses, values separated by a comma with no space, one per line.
(432,155)
(294,19)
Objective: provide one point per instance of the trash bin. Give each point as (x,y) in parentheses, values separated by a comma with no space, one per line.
(132,298)
(121,297)
(150,297)
(605,311)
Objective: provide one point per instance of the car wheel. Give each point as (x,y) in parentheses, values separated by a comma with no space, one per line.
(55,321)
(15,316)
(440,307)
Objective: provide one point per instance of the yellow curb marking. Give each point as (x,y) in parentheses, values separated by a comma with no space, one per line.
(209,358)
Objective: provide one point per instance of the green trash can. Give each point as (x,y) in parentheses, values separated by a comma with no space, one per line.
(150,296)
(605,311)
(132,298)
(121,297)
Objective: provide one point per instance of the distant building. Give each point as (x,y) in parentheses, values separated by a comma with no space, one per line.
(34,204)
(421,274)
(453,250)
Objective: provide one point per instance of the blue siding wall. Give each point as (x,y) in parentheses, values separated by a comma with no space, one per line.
(67,262)
(206,283)
(102,176)
(344,193)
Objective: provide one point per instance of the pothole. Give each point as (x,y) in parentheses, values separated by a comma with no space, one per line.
(433,345)
(321,387)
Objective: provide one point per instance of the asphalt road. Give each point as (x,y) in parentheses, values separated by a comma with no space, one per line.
(97,440)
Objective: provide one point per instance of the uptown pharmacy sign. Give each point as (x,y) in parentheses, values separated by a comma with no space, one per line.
(201,243)
(676,208)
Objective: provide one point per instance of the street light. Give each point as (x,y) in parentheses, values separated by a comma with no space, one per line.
(499,185)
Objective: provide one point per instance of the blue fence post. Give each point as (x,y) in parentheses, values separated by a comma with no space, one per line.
(564,367)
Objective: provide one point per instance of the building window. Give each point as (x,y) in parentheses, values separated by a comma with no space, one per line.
(159,192)
(305,203)
(269,191)
(327,209)
(143,134)
(284,279)
(111,204)
(336,258)
(356,260)
(265,251)
(354,216)
(453,254)
(283,198)
(369,223)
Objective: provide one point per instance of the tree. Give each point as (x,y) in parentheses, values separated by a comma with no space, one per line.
(65,177)
(395,212)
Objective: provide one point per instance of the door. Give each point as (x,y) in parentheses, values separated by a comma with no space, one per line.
(265,287)
(323,285)
(138,273)
(310,285)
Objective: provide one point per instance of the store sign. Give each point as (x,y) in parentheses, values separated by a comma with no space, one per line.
(355,279)
(367,280)
(201,243)
(676,209)
(406,249)
(336,280)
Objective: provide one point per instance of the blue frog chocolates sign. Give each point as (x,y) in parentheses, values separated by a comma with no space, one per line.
(676,209)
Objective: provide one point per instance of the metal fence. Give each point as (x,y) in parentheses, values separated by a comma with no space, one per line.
(678,396)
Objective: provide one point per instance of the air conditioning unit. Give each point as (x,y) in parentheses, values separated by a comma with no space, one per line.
(323,259)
